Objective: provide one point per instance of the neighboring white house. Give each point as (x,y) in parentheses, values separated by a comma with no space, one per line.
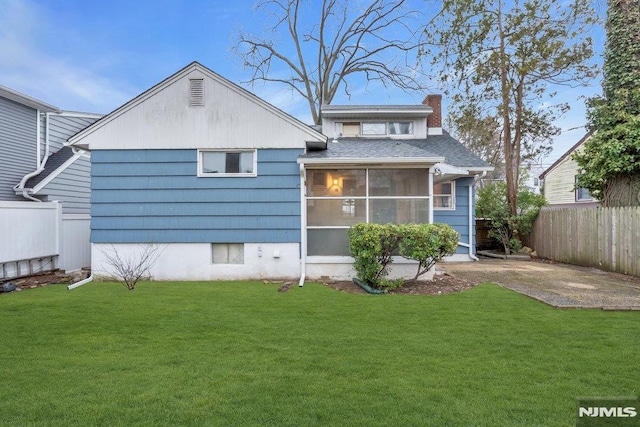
(560,180)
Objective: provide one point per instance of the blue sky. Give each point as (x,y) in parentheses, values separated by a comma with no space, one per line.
(93,56)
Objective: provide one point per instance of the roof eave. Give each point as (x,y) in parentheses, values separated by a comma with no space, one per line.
(370,160)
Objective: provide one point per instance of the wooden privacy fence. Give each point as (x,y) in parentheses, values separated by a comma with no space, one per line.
(605,238)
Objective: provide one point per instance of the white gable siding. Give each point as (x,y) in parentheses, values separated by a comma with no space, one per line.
(231,117)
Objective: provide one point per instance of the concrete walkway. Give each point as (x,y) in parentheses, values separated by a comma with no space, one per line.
(559,285)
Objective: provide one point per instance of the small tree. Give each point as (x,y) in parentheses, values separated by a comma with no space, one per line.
(427,244)
(129,270)
(492,203)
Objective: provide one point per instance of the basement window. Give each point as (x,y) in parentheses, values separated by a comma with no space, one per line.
(227,253)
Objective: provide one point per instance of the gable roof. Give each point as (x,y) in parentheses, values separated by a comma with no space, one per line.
(565,155)
(23,99)
(91,136)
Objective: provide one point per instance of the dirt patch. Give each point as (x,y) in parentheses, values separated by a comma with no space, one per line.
(441,284)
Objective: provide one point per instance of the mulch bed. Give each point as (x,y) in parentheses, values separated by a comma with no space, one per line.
(441,284)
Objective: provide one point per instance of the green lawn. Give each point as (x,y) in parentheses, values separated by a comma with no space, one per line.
(244,354)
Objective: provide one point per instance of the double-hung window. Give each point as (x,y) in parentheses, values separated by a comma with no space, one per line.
(226,163)
(444,195)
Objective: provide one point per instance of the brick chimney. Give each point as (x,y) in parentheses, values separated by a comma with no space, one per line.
(434,120)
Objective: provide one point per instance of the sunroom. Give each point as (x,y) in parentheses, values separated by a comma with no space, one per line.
(357,181)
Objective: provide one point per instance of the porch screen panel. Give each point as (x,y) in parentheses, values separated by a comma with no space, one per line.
(339,198)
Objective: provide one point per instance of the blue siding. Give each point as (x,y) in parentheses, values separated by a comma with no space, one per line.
(141,196)
(459,218)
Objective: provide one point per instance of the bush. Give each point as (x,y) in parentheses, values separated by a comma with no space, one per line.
(427,244)
(373,247)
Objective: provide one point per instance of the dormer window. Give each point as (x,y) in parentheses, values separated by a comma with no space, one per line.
(374,128)
(400,128)
(387,128)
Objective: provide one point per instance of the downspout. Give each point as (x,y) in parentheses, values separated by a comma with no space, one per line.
(471,186)
(303,230)
(80,283)
(40,165)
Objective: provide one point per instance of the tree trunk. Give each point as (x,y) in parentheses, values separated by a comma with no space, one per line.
(622,190)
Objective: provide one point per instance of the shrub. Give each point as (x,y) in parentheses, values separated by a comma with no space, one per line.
(373,246)
(427,244)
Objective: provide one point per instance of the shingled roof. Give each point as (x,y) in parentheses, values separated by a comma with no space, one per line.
(443,147)
(53,163)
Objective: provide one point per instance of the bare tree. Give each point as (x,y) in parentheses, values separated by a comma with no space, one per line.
(131,269)
(342,39)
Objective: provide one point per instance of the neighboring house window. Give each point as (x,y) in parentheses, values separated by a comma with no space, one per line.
(444,195)
(582,194)
(227,163)
(227,253)
(339,198)
(196,92)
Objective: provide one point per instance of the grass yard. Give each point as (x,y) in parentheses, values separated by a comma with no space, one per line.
(244,354)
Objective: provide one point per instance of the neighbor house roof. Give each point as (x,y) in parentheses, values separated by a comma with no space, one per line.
(54,162)
(23,99)
(565,155)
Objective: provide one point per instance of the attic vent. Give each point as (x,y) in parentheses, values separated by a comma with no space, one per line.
(196,92)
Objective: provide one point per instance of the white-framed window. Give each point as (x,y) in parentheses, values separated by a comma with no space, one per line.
(386,128)
(227,163)
(444,197)
(400,128)
(227,253)
(374,128)
(339,198)
(582,194)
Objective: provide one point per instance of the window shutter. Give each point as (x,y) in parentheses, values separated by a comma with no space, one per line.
(196,92)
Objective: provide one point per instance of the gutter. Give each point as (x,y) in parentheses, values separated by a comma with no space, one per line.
(303,232)
(40,165)
(477,178)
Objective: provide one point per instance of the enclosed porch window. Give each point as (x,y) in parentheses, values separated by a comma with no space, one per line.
(339,198)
